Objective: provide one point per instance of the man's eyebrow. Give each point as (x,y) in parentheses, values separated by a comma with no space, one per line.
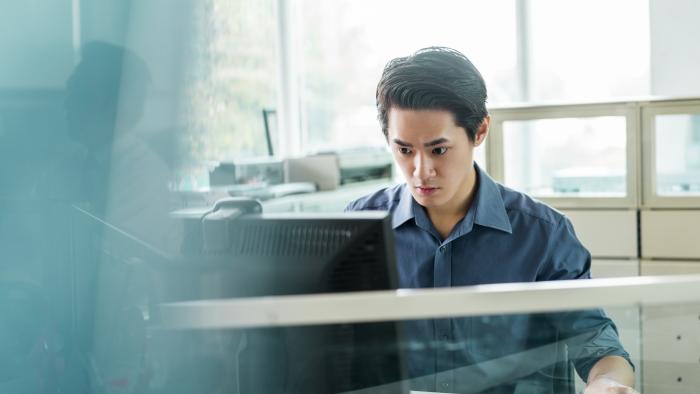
(434,142)
(402,143)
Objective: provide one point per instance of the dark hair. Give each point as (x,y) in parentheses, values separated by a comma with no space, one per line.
(436,78)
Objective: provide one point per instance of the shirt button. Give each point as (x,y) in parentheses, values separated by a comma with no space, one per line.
(444,385)
(442,248)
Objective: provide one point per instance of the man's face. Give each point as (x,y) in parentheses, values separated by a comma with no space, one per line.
(435,156)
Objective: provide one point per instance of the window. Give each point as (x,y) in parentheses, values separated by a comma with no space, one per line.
(233,78)
(677,154)
(346,43)
(524,53)
(587,50)
(567,157)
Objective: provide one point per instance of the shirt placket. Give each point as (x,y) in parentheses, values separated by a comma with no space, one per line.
(442,270)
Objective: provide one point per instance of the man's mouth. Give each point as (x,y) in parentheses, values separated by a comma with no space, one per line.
(427,190)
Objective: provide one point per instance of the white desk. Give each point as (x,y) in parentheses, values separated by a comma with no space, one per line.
(392,305)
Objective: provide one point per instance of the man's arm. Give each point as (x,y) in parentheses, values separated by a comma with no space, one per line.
(611,373)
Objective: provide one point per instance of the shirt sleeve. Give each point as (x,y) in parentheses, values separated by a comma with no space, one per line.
(589,335)
(352,206)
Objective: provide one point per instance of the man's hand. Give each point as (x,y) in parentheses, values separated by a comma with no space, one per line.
(608,386)
(611,374)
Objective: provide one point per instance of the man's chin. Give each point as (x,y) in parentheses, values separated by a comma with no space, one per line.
(426,201)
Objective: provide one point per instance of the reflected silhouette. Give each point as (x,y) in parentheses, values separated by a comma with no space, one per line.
(105,93)
(111,169)
(125,184)
(88,311)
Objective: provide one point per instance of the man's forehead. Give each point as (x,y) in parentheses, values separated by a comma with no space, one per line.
(421,125)
(420,112)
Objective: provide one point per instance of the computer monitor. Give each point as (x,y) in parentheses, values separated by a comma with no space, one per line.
(288,254)
(282,254)
(230,253)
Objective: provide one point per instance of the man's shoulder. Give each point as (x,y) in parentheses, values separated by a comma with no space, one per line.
(381,200)
(519,203)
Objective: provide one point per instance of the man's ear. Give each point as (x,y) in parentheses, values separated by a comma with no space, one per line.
(482,131)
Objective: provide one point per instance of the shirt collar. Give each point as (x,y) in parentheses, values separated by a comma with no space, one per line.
(490,209)
(404,210)
(488,206)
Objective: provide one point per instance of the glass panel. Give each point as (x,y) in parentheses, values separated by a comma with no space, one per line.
(549,353)
(101,103)
(567,157)
(346,43)
(671,358)
(524,352)
(677,146)
(521,352)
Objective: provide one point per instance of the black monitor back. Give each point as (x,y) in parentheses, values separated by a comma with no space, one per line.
(288,254)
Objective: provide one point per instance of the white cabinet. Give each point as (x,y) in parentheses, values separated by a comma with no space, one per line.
(669,230)
(627,174)
(573,156)
(670,234)
(601,268)
(606,233)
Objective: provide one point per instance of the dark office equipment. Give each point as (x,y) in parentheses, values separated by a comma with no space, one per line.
(234,251)
(206,229)
(288,254)
(302,253)
(270,121)
(240,255)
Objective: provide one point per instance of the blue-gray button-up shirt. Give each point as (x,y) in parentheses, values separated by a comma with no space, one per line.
(504,237)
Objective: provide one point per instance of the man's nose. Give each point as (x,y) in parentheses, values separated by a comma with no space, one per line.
(422,167)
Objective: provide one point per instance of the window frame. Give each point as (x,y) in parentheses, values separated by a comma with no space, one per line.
(649,110)
(629,110)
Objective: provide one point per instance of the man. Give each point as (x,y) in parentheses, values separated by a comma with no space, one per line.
(455,226)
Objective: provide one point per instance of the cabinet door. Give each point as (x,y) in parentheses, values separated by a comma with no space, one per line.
(606,233)
(670,234)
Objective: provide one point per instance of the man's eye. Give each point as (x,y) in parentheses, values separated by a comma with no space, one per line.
(440,150)
(404,151)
